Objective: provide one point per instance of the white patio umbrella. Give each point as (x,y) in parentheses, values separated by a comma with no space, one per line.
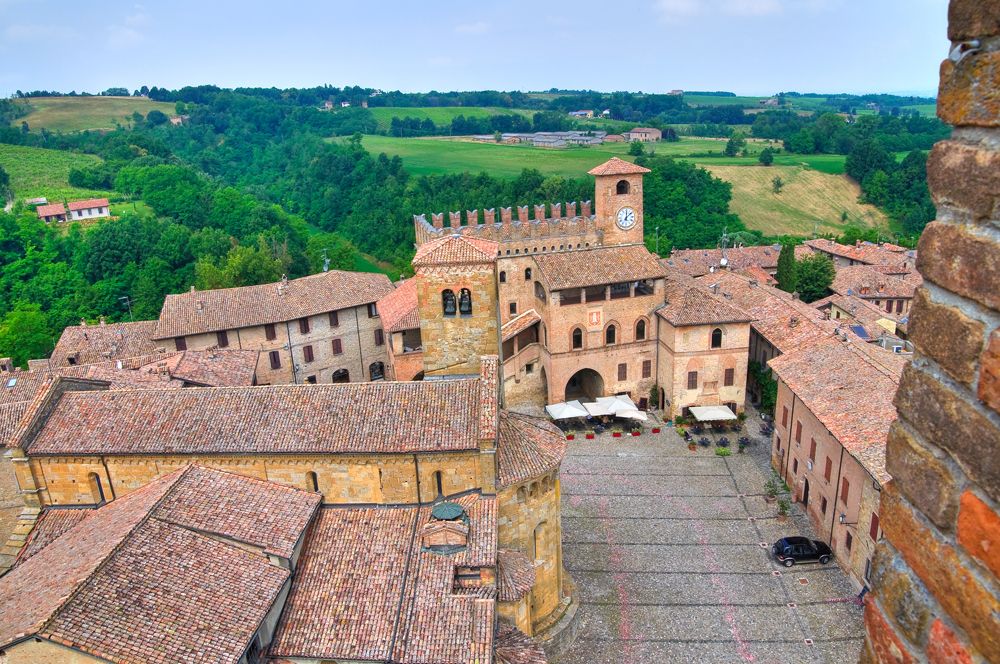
(597,409)
(616,404)
(632,415)
(566,410)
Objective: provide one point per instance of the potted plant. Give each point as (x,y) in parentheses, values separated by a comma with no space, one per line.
(691,445)
(589,435)
(655,430)
(770,490)
(723,451)
(616,432)
(636,431)
(570,435)
(783,508)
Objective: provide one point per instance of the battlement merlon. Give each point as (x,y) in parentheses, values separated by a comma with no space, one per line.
(548,220)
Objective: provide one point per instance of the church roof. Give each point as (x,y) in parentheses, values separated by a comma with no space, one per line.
(380,417)
(197,312)
(515,575)
(617,166)
(528,447)
(456,250)
(398,309)
(151,577)
(598,266)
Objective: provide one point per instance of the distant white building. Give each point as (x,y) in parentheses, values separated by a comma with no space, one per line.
(93,208)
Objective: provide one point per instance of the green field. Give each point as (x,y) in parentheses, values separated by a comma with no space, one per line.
(38,172)
(439,115)
(711,100)
(928,110)
(67,114)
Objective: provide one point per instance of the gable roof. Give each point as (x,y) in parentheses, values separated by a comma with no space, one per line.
(137,580)
(207,368)
(617,166)
(868,282)
(398,309)
(691,303)
(456,250)
(380,417)
(51,210)
(598,266)
(89,203)
(198,312)
(518,324)
(90,344)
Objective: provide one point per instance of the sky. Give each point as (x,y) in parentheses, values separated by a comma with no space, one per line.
(755,47)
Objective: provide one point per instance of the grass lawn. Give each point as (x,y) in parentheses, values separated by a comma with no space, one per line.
(810,199)
(440,115)
(38,172)
(711,100)
(66,114)
(138,208)
(928,110)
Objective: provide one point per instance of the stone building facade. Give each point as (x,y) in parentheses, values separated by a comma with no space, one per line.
(323,328)
(937,570)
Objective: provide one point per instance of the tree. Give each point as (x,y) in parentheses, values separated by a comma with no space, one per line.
(635,149)
(734,145)
(786,268)
(766,157)
(814,276)
(25,334)
(156,118)
(777,184)
(4,184)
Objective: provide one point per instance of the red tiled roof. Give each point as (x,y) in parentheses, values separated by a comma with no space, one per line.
(869,283)
(89,203)
(398,309)
(456,250)
(51,524)
(515,647)
(90,344)
(55,209)
(147,579)
(515,575)
(527,447)
(849,393)
(617,166)
(363,584)
(598,266)
(691,303)
(208,368)
(519,324)
(865,252)
(10,417)
(381,417)
(249,306)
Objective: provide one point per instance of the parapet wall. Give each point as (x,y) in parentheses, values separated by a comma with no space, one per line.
(544,224)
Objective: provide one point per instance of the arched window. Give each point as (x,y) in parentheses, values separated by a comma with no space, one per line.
(611,335)
(448,302)
(312,481)
(539,291)
(717,338)
(622,187)
(522,494)
(96,488)
(503,277)
(538,540)
(640,330)
(341,376)
(577,338)
(376,370)
(465,302)
(439,483)
(527,274)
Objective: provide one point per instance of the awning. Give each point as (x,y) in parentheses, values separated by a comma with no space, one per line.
(712,413)
(617,403)
(632,415)
(566,410)
(597,409)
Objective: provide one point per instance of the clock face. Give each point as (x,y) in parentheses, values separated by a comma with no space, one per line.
(626,218)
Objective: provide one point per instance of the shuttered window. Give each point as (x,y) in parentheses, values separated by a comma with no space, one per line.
(338,347)
(307,353)
(379,338)
(730,377)
(647,368)
(304,325)
(270,333)
(692,380)
(873,529)
(622,371)
(222,339)
(334,319)
(275,359)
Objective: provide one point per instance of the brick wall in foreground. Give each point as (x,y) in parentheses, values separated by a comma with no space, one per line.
(936,592)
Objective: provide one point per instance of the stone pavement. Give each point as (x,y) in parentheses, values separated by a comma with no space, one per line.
(669,566)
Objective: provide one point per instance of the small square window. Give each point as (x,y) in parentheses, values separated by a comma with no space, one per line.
(513,308)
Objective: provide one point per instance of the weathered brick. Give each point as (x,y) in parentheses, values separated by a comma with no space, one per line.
(946,335)
(945,647)
(968,264)
(989,373)
(973,607)
(965,176)
(902,595)
(886,646)
(925,479)
(951,423)
(979,531)
(971,19)
(969,92)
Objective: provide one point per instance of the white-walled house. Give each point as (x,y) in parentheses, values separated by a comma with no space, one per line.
(93,208)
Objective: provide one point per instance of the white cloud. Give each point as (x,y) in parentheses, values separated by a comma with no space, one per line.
(130,31)
(477,28)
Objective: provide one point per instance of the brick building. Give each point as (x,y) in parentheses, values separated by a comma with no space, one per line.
(892,294)
(322,328)
(937,570)
(90,344)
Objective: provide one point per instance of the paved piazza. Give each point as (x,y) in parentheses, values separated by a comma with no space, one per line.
(669,565)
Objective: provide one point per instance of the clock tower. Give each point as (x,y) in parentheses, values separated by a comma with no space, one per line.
(618,201)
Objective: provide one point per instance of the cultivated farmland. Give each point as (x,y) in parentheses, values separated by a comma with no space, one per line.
(439,115)
(67,114)
(40,172)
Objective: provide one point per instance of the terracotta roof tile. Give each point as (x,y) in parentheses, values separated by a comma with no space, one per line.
(89,203)
(595,267)
(617,166)
(398,309)
(51,524)
(870,283)
(90,344)
(10,417)
(519,324)
(865,252)
(696,262)
(248,306)
(515,647)
(515,575)
(527,447)
(208,368)
(849,393)
(51,210)
(456,250)
(277,419)
(692,303)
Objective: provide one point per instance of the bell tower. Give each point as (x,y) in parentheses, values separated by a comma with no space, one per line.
(618,200)
(457,303)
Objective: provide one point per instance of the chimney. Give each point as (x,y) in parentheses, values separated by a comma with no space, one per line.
(793,321)
(540,212)
(585,209)
(201,304)
(103,321)
(522,213)
(83,322)
(505,216)
(571,210)
(490,216)
(714,288)
(192,290)
(437,219)
(472,217)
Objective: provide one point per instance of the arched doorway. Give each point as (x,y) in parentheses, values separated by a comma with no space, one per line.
(805,493)
(585,384)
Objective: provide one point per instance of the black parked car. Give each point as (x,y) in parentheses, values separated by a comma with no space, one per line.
(791,550)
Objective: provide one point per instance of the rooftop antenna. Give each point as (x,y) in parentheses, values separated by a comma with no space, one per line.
(723,241)
(326,262)
(127,301)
